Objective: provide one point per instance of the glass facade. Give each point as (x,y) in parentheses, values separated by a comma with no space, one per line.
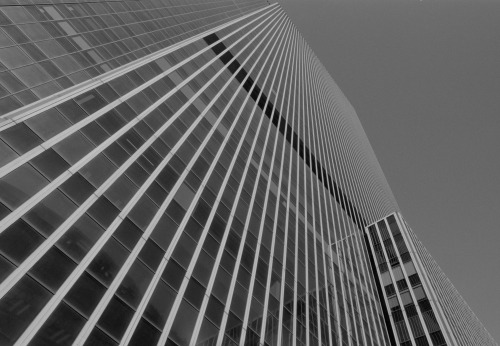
(183,173)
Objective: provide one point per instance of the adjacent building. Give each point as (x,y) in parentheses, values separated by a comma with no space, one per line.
(187,173)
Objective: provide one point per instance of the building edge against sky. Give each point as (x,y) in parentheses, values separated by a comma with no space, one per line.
(187,172)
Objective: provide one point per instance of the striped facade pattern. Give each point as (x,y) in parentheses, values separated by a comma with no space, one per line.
(425,307)
(209,188)
(462,322)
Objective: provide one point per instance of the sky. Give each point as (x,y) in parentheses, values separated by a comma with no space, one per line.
(424,78)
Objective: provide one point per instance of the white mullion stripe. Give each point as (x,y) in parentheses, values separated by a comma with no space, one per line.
(229,222)
(296,106)
(37,254)
(240,188)
(13,216)
(350,224)
(320,128)
(44,314)
(78,126)
(338,243)
(319,152)
(303,194)
(182,289)
(329,197)
(355,293)
(356,260)
(307,142)
(278,193)
(331,203)
(257,182)
(308,176)
(315,197)
(290,57)
(328,250)
(33,109)
(117,281)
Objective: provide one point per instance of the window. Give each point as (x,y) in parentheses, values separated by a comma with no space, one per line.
(85,294)
(80,238)
(24,301)
(135,284)
(18,241)
(53,268)
(115,318)
(160,304)
(63,326)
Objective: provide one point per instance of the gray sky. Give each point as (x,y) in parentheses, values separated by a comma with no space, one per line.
(424,78)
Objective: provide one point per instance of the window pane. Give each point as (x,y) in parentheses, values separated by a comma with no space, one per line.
(135,284)
(160,304)
(50,213)
(183,324)
(53,268)
(108,262)
(19,185)
(85,294)
(18,241)
(145,334)
(80,238)
(115,318)
(61,328)
(23,302)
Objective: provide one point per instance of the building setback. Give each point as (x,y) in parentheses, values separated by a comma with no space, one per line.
(188,173)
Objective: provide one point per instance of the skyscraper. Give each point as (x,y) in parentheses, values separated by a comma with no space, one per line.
(185,173)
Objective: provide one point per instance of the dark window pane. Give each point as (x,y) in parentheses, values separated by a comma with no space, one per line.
(175,211)
(98,170)
(215,310)
(151,254)
(7,154)
(85,294)
(48,123)
(103,211)
(18,241)
(145,334)
(128,233)
(164,231)
(72,111)
(184,250)
(79,239)
(19,185)
(6,268)
(183,324)
(61,328)
(98,337)
(50,164)
(77,188)
(143,212)
(115,318)
(195,293)
(74,147)
(135,284)
(121,191)
(109,261)
(53,268)
(23,302)
(208,331)
(160,304)
(173,274)
(50,213)
(203,268)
